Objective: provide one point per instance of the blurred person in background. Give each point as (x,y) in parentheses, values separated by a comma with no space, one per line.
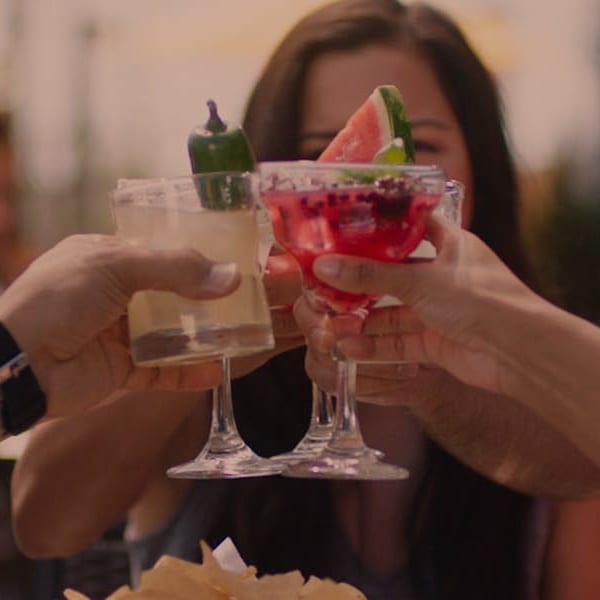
(448,532)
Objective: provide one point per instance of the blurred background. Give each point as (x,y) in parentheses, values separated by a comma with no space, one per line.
(94,91)
(101,90)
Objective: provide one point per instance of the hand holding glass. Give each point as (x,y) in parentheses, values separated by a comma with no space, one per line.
(373,211)
(216,215)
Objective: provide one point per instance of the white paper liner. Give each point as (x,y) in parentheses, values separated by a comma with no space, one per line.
(228,557)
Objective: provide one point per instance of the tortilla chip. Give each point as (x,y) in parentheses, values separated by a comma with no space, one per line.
(176,579)
(122,592)
(326,589)
(74,595)
(176,584)
(284,586)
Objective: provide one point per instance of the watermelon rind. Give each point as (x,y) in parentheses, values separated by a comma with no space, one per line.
(398,119)
(394,153)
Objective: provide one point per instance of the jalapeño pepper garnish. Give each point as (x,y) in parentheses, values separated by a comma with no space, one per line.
(219,147)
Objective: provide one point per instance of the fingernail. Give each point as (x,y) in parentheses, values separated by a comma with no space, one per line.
(222,276)
(327,266)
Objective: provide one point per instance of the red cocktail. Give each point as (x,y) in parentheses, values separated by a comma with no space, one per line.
(367,210)
(383,221)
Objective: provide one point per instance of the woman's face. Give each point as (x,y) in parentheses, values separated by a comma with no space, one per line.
(337,83)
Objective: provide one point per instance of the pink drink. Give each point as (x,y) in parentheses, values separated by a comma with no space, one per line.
(384,223)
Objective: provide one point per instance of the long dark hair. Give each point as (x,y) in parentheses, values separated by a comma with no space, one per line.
(468,532)
(272,117)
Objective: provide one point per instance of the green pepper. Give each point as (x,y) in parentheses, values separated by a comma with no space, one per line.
(218,147)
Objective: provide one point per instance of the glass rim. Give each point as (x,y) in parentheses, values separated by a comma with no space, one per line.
(299,165)
(124,183)
(181,190)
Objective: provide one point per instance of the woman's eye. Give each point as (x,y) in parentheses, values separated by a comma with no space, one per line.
(422,146)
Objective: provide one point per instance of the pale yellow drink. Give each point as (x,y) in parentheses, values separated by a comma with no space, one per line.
(166,328)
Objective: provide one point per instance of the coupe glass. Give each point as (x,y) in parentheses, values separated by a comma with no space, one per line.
(321,419)
(320,427)
(367,210)
(216,215)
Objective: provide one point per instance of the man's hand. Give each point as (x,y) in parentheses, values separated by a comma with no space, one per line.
(67,313)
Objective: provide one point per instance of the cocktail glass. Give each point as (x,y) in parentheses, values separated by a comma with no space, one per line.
(367,210)
(216,215)
(321,422)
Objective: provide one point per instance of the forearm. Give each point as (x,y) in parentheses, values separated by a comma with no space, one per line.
(570,568)
(505,441)
(549,362)
(79,475)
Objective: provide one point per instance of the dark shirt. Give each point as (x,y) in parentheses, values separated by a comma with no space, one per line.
(283,524)
(180,537)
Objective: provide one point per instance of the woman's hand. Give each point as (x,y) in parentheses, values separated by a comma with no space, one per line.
(384,383)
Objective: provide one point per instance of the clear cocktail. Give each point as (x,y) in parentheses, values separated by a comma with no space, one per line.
(220,222)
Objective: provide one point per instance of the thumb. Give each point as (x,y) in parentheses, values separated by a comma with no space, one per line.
(365,276)
(183,271)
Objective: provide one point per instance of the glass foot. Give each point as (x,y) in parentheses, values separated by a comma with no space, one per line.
(331,464)
(310,446)
(311,449)
(302,451)
(237,464)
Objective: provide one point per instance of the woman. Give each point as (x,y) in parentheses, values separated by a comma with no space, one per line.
(316,79)
(445,533)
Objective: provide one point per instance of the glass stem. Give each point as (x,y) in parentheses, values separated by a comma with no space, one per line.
(346,437)
(224,436)
(321,418)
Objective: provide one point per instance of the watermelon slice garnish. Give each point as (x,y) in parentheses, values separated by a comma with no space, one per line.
(379,123)
(379,132)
